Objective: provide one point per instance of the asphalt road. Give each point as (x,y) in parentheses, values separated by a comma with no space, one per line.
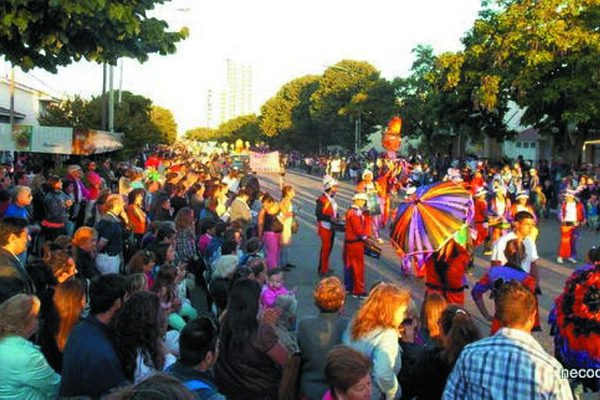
(305,253)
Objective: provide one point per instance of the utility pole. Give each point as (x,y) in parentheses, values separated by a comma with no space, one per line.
(103,99)
(111,99)
(120,82)
(11,89)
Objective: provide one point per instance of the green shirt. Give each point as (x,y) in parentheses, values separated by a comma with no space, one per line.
(24,372)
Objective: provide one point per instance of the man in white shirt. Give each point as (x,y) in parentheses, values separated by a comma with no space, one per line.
(524,222)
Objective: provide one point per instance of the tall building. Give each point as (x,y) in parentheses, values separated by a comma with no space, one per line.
(233,98)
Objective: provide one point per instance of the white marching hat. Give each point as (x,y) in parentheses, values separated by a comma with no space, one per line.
(522,194)
(360,196)
(481,192)
(571,192)
(329,182)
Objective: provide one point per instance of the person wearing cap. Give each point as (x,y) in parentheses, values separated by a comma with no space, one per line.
(371,188)
(481,217)
(499,215)
(521,204)
(354,247)
(326,212)
(572,216)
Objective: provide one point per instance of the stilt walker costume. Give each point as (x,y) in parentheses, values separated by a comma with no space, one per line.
(354,246)
(572,216)
(326,212)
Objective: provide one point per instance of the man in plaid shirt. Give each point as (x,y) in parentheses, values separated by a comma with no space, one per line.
(511,364)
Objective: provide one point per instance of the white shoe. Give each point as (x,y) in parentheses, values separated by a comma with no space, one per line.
(379,240)
(560,260)
(572,260)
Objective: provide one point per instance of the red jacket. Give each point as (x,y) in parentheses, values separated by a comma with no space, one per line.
(580,212)
(326,211)
(355,225)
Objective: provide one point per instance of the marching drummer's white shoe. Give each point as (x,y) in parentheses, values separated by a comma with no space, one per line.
(572,260)
(560,260)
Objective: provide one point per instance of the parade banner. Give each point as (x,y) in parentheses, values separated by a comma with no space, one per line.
(265,162)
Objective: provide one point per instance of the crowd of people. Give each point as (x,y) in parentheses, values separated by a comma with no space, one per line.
(164,278)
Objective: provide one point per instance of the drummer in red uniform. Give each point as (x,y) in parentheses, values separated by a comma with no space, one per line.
(326,212)
(354,247)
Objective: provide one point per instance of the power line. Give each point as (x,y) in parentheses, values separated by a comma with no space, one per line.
(63,94)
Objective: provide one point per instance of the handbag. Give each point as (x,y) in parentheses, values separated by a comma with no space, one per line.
(288,389)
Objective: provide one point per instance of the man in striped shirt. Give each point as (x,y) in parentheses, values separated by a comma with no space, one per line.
(511,364)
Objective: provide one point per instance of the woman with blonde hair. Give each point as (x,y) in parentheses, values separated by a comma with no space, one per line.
(84,242)
(24,372)
(69,300)
(374,331)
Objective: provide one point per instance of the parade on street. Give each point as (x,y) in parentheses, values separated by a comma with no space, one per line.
(300,201)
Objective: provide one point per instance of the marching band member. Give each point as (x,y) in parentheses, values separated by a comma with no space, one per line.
(499,215)
(326,213)
(481,217)
(521,204)
(354,247)
(572,216)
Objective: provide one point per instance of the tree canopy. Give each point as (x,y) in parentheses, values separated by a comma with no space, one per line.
(133,117)
(202,134)
(349,90)
(544,56)
(52,33)
(285,118)
(164,121)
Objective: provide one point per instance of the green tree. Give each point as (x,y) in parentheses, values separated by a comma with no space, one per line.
(545,56)
(69,113)
(202,134)
(285,118)
(132,117)
(164,121)
(244,127)
(348,91)
(52,33)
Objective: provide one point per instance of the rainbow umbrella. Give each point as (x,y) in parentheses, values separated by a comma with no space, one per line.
(430,217)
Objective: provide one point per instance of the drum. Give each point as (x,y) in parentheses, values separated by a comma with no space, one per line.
(372,250)
(338,225)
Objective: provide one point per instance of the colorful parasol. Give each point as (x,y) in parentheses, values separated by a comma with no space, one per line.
(428,218)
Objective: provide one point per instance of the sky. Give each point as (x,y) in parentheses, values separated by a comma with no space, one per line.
(280,39)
